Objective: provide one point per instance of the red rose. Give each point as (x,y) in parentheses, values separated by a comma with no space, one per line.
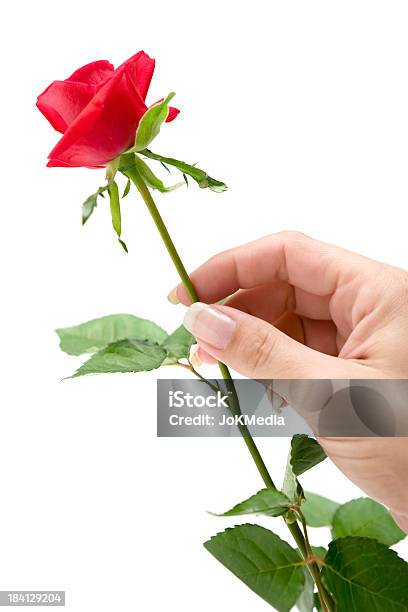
(97,109)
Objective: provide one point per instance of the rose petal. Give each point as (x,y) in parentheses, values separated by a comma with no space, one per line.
(57,163)
(53,163)
(106,127)
(62,102)
(93,73)
(140,68)
(173,112)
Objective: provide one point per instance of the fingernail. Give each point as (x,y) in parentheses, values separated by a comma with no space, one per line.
(172,297)
(209,325)
(194,356)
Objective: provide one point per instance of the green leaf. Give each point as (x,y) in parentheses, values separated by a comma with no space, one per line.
(291,486)
(304,454)
(306,601)
(264,562)
(178,344)
(90,204)
(124,356)
(93,335)
(318,510)
(150,124)
(366,518)
(150,178)
(115,212)
(127,188)
(363,574)
(201,177)
(267,501)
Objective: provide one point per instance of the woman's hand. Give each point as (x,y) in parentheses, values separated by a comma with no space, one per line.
(300,308)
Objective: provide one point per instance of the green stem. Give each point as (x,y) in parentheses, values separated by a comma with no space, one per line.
(135,177)
(192,369)
(325,598)
(248,439)
(138,181)
(305,551)
(165,236)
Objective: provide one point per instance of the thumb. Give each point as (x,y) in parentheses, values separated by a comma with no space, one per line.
(255,348)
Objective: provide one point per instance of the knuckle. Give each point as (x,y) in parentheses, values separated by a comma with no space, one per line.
(215,258)
(220,257)
(292,235)
(259,349)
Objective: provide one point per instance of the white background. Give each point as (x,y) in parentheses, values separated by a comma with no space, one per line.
(301,107)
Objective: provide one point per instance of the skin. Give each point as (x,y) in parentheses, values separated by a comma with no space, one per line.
(306,309)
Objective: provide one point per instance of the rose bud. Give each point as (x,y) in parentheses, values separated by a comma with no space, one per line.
(98,109)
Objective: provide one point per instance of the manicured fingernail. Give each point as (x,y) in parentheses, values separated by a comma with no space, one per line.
(194,356)
(209,325)
(172,297)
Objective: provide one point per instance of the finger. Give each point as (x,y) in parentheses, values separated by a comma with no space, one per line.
(318,335)
(376,466)
(275,303)
(255,348)
(267,302)
(310,265)
(270,302)
(401,520)
(199,356)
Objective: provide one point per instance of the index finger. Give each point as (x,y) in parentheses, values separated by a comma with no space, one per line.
(307,264)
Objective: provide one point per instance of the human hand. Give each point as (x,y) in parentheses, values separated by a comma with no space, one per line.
(300,308)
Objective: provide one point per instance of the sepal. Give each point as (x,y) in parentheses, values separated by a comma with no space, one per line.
(116,213)
(200,176)
(150,124)
(90,203)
